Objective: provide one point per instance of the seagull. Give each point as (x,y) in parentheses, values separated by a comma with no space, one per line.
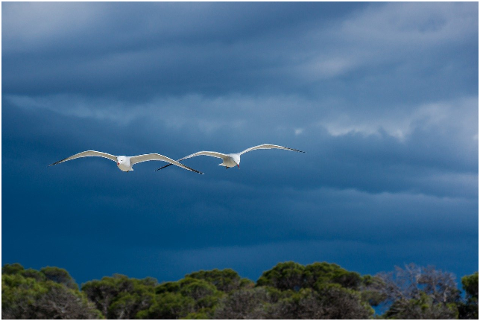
(125,163)
(232,160)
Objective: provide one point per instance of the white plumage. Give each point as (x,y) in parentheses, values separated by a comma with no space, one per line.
(125,163)
(231,160)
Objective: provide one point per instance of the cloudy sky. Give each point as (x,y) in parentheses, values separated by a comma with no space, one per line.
(382,97)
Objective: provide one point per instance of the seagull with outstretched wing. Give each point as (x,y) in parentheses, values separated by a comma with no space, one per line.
(232,160)
(125,163)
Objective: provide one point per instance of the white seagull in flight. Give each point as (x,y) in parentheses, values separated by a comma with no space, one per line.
(232,160)
(125,163)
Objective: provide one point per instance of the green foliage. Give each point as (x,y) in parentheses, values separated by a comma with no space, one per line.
(202,296)
(27,295)
(318,290)
(294,276)
(226,280)
(17,269)
(61,276)
(470,285)
(469,308)
(371,292)
(318,274)
(202,315)
(422,307)
(247,303)
(331,301)
(196,296)
(196,289)
(12,268)
(169,305)
(284,276)
(287,291)
(167,287)
(120,297)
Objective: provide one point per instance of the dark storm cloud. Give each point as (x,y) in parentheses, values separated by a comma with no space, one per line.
(137,51)
(381,97)
(100,47)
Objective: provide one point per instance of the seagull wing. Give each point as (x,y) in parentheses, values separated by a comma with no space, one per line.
(155,156)
(269,146)
(87,153)
(205,153)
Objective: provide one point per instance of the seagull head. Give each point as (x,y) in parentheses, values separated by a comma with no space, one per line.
(236,159)
(121,160)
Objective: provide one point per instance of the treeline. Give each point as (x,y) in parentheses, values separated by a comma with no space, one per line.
(287,291)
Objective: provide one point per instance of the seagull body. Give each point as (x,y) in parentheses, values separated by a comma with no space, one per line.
(232,160)
(125,163)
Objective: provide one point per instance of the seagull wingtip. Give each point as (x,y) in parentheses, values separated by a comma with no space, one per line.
(198,172)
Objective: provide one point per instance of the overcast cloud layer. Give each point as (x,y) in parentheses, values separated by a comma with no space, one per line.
(383,97)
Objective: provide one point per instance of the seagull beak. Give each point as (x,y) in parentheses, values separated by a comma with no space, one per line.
(118,163)
(238,165)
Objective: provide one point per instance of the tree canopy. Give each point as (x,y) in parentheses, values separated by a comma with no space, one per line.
(31,294)
(289,290)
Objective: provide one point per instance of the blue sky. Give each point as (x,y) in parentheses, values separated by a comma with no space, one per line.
(382,97)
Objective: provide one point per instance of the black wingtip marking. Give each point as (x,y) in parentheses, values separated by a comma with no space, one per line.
(58,162)
(193,170)
(163,167)
(297,150)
